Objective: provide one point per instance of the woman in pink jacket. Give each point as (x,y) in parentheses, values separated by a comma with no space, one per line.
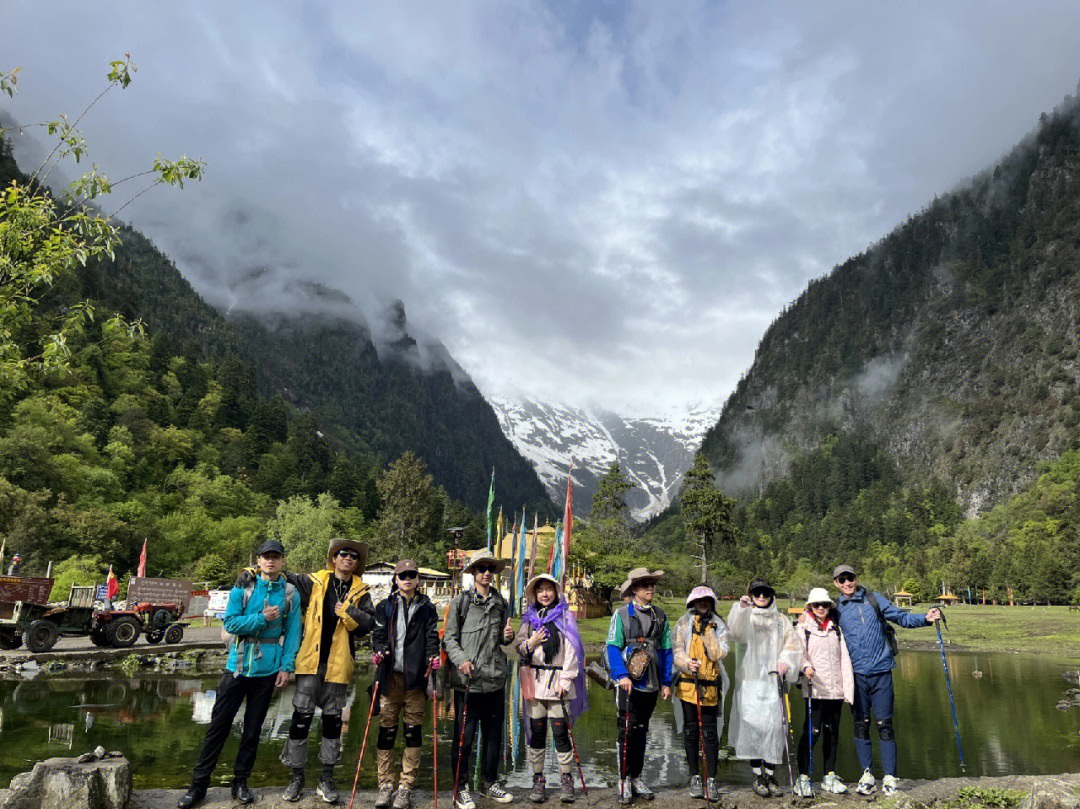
(830,681)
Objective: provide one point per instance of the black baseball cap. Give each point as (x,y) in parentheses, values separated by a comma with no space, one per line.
(272,546)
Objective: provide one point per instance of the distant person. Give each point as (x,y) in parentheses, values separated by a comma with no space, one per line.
(862,617)
(639,657)
(770,654)
(406,643)
(263,616)
(337,611)
(826,665)
(477,628)
(701,644)
(552,680)
(13,568)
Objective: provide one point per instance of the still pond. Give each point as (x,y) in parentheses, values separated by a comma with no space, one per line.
(1008,720)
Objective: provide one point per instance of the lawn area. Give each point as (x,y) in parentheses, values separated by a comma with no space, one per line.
(1002,629)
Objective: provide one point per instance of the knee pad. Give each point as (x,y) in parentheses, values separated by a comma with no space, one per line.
(862,729)
(412,736)
(387,737)
(885,729)
(301,724)
(331,726)
(560,729)
(538,733)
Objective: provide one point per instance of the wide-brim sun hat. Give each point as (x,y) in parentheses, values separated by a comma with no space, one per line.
(342,544)
(638,575)
(530,588)
(485,557)
(819,595)
(703,591)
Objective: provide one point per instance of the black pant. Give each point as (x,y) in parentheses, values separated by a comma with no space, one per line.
(641,708)
(690,738)
(490,711)
(826,723)
(231,692)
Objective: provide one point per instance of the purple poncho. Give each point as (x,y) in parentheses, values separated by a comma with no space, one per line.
(567,625)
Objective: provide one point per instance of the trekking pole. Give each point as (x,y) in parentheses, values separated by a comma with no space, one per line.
(573,746)
(809,729)
(435,741)
(461,738)
(701,736)
(625,741)
(948,684)
(787,730)
(363,746)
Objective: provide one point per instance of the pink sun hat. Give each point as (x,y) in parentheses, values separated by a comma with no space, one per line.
(703,591)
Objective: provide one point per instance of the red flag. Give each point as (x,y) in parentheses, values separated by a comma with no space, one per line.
(142,562)
(568,521)
(532,553)
(112,586)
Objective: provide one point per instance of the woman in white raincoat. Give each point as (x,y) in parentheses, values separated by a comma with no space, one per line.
(768,648)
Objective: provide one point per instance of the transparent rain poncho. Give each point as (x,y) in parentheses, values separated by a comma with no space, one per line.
(764,637)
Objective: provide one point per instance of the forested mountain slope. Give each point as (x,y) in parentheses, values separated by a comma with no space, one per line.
(950,347)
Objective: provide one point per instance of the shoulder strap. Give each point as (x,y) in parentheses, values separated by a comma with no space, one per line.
(872,598)
(464,602)
(290,591)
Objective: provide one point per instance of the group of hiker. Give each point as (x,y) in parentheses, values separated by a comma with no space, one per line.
(282,624)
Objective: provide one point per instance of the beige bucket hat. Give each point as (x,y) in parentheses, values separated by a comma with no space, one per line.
(341,543)
(639,574)
(530,588)
(486,557)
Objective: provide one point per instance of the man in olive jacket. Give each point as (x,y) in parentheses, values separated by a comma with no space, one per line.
(477,628)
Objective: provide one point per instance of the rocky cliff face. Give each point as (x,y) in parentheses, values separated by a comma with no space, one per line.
(953,342)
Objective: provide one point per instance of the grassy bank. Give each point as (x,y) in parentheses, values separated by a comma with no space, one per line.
(1047,630)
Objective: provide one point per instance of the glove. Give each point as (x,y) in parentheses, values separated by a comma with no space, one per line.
(435,664)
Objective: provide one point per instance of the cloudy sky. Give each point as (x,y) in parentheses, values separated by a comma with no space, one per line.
(600,202)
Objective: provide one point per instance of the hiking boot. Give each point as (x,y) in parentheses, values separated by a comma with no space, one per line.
(403,799)
(464,799)
(641,789)
(241,793)
(326,789)
(712,791)
(832,783)
(386,795)
(867,785)
(193,797)
(803,788)
(774,788)
(539,788)
(889,785)
(695,787)
(295,788)
(498,794)
(566,784)
(761,785)
(626,792)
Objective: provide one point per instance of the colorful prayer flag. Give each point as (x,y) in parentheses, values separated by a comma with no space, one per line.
(142,562)
(489,513)
(112,585)
(568,520)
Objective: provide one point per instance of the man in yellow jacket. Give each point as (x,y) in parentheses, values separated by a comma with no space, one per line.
(337,610)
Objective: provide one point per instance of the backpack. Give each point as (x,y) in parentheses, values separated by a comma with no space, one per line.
(887,629)
(290,590)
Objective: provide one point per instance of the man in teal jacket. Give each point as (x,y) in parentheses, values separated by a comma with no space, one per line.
(264,618)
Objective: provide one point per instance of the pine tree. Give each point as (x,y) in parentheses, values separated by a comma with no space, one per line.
(706,512)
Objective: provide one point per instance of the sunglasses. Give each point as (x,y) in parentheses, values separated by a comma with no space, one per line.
(480,569)
(348,555)
(844,578)
(821,606)
(761,593)
(407,574)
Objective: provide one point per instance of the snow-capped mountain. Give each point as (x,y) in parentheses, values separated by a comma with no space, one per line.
(653,451)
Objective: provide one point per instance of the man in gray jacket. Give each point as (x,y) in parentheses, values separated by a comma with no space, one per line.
(477,628)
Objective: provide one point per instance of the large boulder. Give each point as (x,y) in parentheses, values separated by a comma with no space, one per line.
(69,783)
(1052,793)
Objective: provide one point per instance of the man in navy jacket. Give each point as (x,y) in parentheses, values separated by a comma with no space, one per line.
(872,660)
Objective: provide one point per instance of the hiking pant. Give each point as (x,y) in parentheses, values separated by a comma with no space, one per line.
(312,691)
(874,693)
(540,712)
(708,735)
(231,692)
(489,711)
(393,702)
(641,705)
(825,719)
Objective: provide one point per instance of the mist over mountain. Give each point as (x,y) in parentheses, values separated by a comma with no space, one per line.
(951,345)
(653,452)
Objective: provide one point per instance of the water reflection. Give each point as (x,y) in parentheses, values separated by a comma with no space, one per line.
(1008,721)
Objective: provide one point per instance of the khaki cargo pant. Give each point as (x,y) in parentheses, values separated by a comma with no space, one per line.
(394,701)
(539,712)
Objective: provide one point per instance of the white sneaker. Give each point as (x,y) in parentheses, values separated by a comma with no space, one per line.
(867,785)
(803,788)
(626,791)
(889,785)
(464,799)
(497,793)
(832,783)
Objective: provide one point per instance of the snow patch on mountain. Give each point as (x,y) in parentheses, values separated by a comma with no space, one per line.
(653,450)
